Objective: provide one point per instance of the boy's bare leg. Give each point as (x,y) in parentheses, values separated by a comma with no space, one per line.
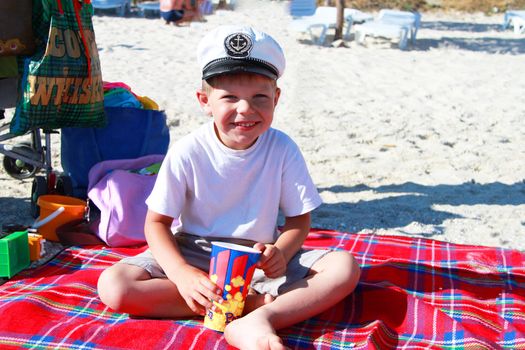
(255,301)
(130,289)
(332,278)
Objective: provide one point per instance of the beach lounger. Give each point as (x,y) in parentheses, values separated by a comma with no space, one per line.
(301,8)
(391,24)
(149,8)
(519,25)
(325,18)
(516,19)
(121,6)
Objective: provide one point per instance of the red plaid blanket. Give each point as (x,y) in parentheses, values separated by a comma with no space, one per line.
(413,294)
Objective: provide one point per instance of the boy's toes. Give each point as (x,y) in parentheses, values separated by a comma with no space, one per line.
(271,342)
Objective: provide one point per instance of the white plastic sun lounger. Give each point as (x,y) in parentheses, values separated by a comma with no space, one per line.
(516,19)
(302,8)
(121,6)
(325,18)
(149,7)
(391,24)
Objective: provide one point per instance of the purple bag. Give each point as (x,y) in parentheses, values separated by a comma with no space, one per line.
(120,195)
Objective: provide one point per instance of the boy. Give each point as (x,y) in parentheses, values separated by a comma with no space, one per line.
(227,181)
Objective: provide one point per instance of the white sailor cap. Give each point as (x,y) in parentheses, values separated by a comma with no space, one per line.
(232,49)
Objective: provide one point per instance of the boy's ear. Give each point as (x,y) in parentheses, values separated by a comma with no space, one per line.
(277,95)
(203,101)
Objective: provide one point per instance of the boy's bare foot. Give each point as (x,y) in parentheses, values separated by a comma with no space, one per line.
(253,332)
(255,301)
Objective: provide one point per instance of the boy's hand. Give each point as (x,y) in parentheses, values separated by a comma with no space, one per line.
(272,260)
(196,289)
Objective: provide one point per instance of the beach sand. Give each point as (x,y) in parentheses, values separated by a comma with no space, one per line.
(428,142)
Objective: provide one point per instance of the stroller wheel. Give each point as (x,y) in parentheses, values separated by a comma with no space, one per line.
(17,168)
(39,188)
(64,185)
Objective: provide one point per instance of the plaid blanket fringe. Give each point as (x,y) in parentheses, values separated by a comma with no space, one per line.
(414,293)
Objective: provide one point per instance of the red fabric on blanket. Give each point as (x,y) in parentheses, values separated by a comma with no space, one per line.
(413,293)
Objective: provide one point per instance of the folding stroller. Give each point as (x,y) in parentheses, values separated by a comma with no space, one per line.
(25,159)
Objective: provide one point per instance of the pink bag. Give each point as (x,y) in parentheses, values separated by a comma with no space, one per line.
(120,195)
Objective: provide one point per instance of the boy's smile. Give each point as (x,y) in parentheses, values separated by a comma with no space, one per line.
(242,106)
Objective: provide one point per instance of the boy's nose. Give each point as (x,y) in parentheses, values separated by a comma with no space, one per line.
(243,106)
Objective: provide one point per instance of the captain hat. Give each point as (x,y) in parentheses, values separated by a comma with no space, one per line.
(231,48)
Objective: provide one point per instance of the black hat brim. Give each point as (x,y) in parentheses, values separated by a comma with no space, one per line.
(228,66)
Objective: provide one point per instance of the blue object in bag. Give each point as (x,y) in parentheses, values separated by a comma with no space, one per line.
(130,133)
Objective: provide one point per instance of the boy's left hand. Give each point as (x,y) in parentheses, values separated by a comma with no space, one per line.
(272,260)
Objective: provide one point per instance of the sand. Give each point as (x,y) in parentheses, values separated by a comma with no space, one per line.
(428,142)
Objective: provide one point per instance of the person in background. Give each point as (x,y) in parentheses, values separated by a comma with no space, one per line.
(172,11)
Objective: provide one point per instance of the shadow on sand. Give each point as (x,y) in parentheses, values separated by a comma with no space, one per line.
(489,44)
(484,44)
(15,211)
(461,26)
(411,202)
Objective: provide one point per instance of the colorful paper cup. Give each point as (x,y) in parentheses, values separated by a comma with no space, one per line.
(231,269)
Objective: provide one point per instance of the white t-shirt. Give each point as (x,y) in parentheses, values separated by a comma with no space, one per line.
(216,191)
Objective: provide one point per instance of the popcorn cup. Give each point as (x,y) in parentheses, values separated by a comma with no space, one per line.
(231,269)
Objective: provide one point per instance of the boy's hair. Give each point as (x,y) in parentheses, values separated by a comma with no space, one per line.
(208,84)
(230,49)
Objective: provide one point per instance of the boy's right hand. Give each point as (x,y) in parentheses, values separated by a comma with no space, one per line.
(197,289)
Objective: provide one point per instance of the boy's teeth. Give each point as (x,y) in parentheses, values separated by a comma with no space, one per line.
(246,124)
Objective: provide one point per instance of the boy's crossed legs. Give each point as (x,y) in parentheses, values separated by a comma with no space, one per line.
(131,289)
(331,279)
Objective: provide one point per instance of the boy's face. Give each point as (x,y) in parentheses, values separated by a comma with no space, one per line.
(242,106)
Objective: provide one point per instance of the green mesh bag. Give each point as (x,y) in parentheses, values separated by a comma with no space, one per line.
(61,85)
